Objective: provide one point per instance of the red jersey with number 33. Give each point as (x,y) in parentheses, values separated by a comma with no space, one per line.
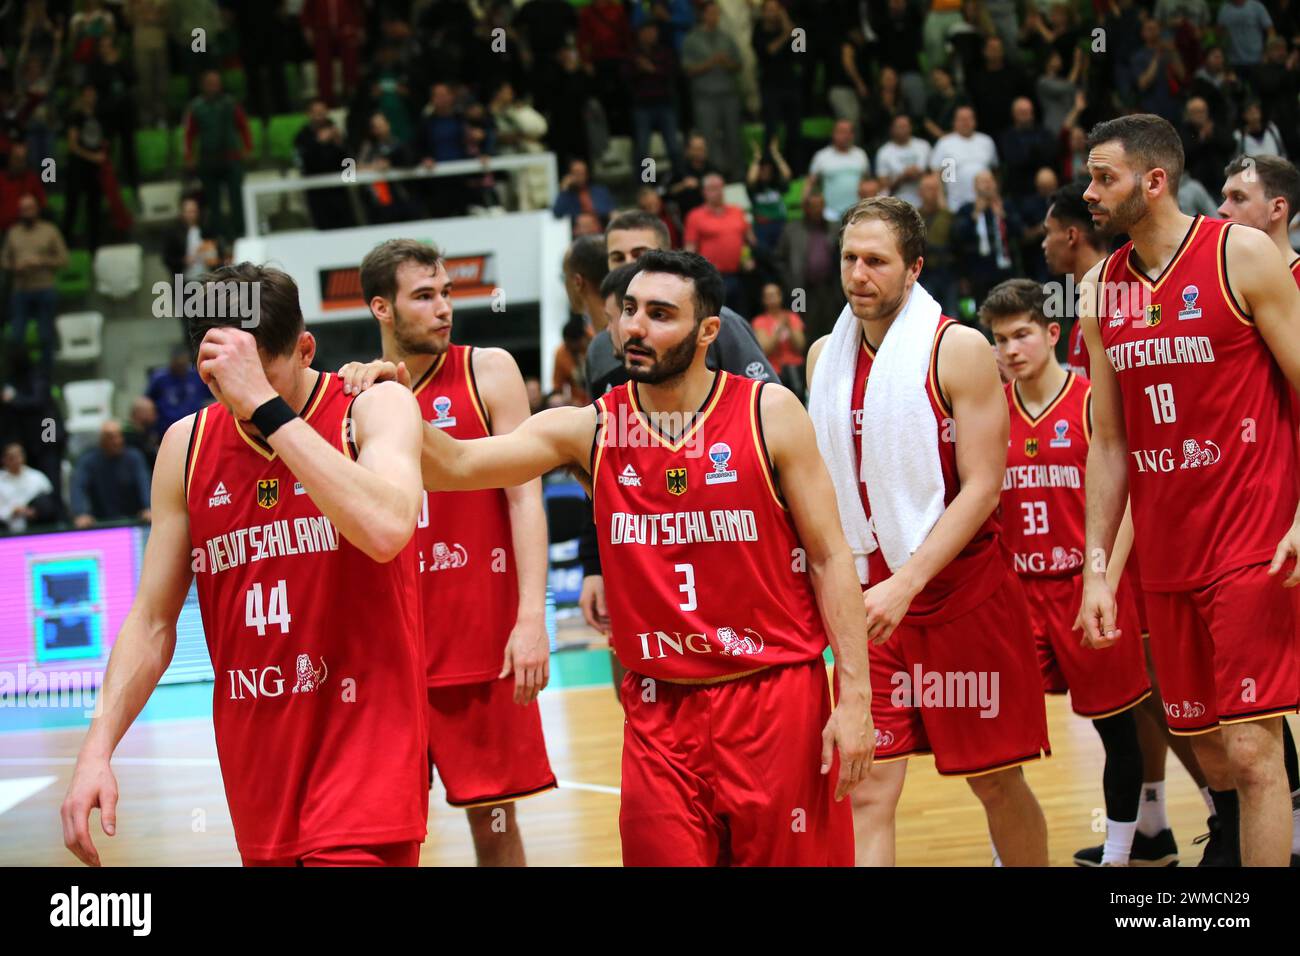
(319,701)
(1043,489)
(703,567)
(466,559)
(1211,435)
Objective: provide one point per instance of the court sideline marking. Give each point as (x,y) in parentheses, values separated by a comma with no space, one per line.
(15,790)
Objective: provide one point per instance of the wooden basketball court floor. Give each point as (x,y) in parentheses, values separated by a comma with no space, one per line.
(172,809)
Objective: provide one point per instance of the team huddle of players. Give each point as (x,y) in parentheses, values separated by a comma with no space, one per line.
(956,525)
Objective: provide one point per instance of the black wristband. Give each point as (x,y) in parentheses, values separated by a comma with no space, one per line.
(271,414)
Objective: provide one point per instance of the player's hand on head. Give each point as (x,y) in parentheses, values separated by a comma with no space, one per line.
(93,785)
(1287,551)
(359,376)
(528,657)
(228,361)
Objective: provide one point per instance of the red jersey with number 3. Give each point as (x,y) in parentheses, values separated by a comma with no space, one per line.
(980,567)
(1211,434)
(1043,490)
(466,557)
(318,704)
(704,570)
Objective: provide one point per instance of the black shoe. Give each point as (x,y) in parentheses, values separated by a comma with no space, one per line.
(1159,850)
(1220,850)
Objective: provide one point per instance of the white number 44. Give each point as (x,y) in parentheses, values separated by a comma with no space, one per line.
(277,608)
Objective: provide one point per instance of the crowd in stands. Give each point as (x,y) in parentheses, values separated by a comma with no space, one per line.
(753,124)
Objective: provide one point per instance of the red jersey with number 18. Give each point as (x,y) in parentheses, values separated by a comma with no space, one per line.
(318,704)
(468,578)
(1042,491)
(704,569)
(1211,433)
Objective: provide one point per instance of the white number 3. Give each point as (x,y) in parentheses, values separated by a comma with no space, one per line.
(688,588)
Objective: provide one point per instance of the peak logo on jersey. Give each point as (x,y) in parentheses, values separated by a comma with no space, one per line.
(1188,708)
(734,645)
(720,455)
(1031,447)
(629,477)
(1061,428)
(268,492)
(1117,319)
(219,496)
(1189,309)
(442,409)
(445,557)
(676,478)
(309,677)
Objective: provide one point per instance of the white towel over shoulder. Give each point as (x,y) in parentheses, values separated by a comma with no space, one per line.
(900,438)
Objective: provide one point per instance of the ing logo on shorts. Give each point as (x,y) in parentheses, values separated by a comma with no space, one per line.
(1187,710)
(884,738)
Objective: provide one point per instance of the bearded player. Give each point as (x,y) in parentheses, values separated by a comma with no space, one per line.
(1264,192)
(727,574)
(1043,509)
(1072,246)
(1193,327)
(918,482)
(482,557)
(295,505)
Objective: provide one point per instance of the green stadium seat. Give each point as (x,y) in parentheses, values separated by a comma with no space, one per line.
(280,132)
(151,152)
(818,128)
(235,83)
(794,199)
(73,282)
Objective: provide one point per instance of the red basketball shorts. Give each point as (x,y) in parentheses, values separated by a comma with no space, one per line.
(967,690)
(1102,681)
(729,773)
(1225,652)
(384,854)
(486,748)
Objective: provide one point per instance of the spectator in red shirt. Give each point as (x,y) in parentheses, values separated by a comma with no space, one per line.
(780,333)
(605,42)
(17,180)
(720,232)
(333,28)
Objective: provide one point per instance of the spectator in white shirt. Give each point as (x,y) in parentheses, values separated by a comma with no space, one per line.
(1257,138)
(961,155)
(838,168)
(902,161)
(21,491)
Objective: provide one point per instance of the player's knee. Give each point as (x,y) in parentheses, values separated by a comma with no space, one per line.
(877,795)
(997,788)
(491,819)
(1254,757)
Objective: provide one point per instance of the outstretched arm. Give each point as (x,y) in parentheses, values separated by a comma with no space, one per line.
(810,496)
(142,651)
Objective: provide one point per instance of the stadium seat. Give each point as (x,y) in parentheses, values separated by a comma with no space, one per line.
(280,133)
(735,194)
(234,83)
(818,128)
(794,198)
(87,404)
(73,281)
(160,202)
(80,336)
(118,269)
(151,152)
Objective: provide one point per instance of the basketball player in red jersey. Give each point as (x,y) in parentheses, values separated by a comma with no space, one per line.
(1264,192)
(726,572)
(954,608)
(1072,246)
(482,557)
(1211,471)
(1043,505)
(298,524)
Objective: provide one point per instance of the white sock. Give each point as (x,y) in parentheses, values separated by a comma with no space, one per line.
(997,860)
(1151,809)
(1295,822)
(1209,801)
(1119,841)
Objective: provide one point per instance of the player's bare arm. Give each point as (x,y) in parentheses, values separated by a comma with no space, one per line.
(814,355)
(808,492)
(1107,475)
(375,501)
(555,438)
(1265,288)
(968,377)
(527,653)
(142,652)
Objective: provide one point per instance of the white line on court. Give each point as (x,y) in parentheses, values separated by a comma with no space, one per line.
(593,787)
(15,790)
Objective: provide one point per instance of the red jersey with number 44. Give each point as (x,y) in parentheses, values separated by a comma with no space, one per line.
(1211,435)
(980,567)
(319,698)
(468,579)
(1043,490)
(703,567)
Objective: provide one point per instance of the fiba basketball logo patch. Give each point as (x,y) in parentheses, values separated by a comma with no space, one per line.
(720,455)
(1061,428)
(268,492)
(1189,309)
(308,677)
(442,411)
